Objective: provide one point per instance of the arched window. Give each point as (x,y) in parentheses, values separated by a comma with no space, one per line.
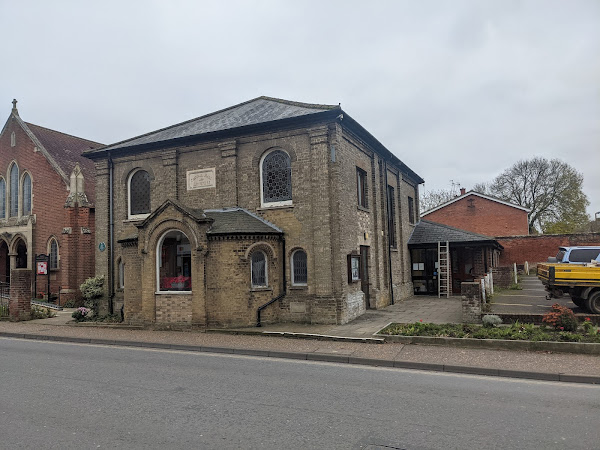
(121,279)
(276,179)
(174,262)
(259,269)
(139,194)
(53,252)
(21,255)
(14,191)
(299,268)
(2,198)
(26,194)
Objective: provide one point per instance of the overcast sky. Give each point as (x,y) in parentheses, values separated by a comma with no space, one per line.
(458,90)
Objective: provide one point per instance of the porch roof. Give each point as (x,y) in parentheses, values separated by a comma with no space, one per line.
(429,233)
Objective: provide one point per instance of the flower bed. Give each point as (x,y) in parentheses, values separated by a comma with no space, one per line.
(516,331)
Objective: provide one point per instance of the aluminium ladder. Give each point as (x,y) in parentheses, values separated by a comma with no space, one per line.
(444,269)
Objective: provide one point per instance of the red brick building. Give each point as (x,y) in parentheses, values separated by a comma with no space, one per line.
(46,205)
(481,214)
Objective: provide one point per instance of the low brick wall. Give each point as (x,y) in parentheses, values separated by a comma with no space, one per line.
(503,277)
(471,302)
(19,306)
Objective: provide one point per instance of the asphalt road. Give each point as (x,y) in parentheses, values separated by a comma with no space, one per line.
(82,396)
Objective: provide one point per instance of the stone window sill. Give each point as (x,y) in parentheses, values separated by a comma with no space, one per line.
(268,208)
(299,287)
(362,208)
(260,289)
(173,293)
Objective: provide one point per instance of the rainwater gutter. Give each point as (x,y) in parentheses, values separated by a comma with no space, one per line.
(280,296)
(111,234)
(389,246)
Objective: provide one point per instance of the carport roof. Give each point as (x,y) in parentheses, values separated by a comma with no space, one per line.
(427,232)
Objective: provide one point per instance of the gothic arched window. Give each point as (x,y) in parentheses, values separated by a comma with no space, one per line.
(14,191)
(26,194)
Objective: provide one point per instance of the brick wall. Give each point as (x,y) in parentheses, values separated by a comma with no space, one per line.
(19,306)
(537,248)
(49,215)
(483,216)
(471,302)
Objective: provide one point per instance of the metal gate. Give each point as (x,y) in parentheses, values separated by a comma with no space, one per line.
(4,297)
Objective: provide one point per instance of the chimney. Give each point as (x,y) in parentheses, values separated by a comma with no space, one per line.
(462,191)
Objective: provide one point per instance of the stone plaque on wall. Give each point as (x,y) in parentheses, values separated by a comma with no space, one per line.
(201,179)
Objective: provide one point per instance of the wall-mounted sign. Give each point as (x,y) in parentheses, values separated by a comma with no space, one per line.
(201,179)
(102,246)
(42,268)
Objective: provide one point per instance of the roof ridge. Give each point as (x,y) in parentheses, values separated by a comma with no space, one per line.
(64,134)
(295,103)
(273,99)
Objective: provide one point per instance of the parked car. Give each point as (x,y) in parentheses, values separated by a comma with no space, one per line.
(575,255)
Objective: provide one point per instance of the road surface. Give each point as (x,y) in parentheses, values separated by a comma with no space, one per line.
(67,396)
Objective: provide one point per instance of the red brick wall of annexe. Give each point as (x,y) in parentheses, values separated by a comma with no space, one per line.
(537,248)
(76,250)
(482,216)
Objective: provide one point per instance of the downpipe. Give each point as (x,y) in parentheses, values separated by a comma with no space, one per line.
(389,234)
(111,234)
(280,296)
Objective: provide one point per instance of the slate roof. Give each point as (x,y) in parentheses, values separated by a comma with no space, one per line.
(238,221)
(257,111)
(66,151)
(427,232)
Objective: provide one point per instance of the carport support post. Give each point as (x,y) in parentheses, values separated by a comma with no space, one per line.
(515,268)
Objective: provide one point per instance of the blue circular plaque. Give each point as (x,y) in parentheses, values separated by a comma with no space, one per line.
(102,246)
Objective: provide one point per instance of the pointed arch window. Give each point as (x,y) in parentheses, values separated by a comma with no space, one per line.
(26,194)
(259,269)
(139,194)
(2,198)
(14,191)
(276,179)
(53,252)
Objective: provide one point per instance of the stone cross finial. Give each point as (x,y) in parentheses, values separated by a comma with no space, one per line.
(14,102)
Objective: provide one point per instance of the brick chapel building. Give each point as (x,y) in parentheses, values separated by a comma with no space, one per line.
(269,210)
(46,205)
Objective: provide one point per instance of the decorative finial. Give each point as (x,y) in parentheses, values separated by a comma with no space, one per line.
(14,102)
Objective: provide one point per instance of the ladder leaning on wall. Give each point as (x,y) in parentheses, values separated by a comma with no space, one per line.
(443,269)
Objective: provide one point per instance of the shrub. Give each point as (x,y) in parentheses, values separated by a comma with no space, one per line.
(491,320)
(41,313)
(561,318)
(81,314)
(91,289)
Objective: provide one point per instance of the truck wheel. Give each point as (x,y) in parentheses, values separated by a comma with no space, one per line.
(593,302)
(578,301)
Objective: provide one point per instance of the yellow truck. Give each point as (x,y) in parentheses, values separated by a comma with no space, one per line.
(580,281)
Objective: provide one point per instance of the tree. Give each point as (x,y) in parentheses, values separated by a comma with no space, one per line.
(430,199)
(551,189)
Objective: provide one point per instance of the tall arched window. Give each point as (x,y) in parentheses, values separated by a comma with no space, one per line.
(299,268)
(121,279)
(26,194)
(53,252)
(276,179)
(139,194)
(174,262)
(14,191)
(2,198)
(258,269)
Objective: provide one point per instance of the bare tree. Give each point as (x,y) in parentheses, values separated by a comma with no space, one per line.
(430,199)
(551,189)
